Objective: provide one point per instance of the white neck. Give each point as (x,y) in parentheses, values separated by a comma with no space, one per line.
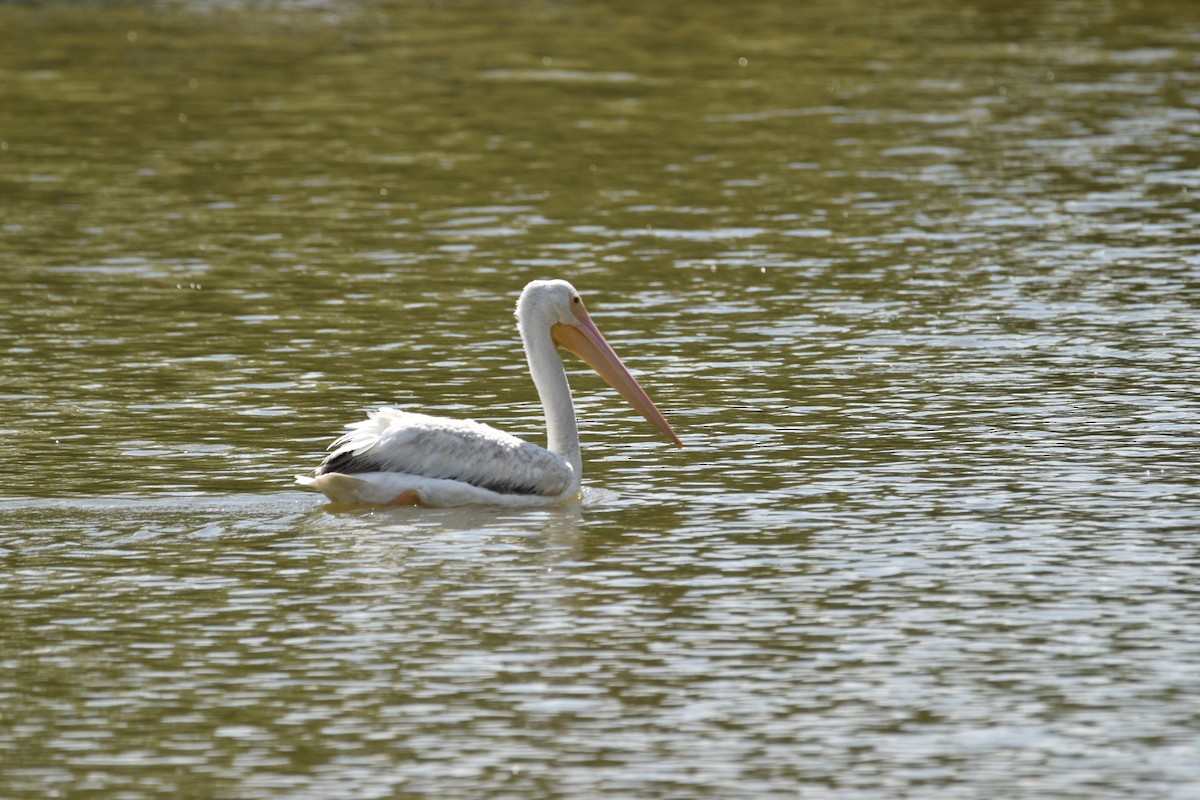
(550,378)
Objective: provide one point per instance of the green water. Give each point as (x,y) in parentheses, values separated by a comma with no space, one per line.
(918,284)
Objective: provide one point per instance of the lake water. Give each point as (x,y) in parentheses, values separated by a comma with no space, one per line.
(917,283)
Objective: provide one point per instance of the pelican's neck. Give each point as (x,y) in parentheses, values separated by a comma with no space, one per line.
(550,378)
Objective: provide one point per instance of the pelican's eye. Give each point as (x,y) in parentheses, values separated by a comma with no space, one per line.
(576,299)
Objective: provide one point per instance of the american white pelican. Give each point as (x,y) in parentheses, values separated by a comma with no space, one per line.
(396,457)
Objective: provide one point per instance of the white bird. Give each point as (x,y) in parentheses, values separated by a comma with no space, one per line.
(396,457)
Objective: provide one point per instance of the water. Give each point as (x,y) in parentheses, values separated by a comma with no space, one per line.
(917,285)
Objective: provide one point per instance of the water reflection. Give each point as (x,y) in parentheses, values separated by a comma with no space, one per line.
(916,286)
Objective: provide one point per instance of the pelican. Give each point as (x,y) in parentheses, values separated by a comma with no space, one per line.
(397,457)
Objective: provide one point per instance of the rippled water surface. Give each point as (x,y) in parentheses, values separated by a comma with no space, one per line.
(918,284)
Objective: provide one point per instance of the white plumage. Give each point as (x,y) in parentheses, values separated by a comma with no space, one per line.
(402,458)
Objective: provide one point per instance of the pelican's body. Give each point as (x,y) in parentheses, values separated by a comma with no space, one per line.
(397,457)
(400,458)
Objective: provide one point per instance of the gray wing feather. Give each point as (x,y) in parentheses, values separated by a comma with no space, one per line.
(391,440)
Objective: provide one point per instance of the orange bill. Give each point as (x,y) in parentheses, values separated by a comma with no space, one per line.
(586,341)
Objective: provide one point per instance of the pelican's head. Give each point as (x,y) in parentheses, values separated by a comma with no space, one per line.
(548,302)
(555,305)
